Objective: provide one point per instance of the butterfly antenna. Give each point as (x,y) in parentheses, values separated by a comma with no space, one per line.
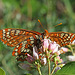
(41,24)
(56,25)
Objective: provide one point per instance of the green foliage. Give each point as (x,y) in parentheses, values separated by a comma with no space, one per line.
(68,69)
(2,72)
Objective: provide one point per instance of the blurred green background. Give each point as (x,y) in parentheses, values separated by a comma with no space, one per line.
(25,14)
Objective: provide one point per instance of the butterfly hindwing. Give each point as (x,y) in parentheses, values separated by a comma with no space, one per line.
(26,46)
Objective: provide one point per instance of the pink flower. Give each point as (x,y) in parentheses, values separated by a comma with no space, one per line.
(46,43)
(49,50)
(35,53)
(29,58)
(43,61)
(64,49)
(39,55)
(53,47)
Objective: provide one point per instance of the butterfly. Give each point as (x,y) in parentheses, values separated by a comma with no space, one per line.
(24,40)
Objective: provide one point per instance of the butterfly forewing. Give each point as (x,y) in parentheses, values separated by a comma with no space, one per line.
(62,38)
(12,37)
(22,39)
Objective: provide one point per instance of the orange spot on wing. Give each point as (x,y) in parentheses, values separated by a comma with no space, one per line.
(19,51)
(28,40)
(25,53)
(60,39)
(6,30)
(26,33)
(1,34)
(10,45)
(19,47)
(72,39)
(59,35)
(55,34)
(13,53)
(26,46)
(2,40)
(5,42)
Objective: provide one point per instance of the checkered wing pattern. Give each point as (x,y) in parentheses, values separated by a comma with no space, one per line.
(23,40)
(62,38)
(12,37)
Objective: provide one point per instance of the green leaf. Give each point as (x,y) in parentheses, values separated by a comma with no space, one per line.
(68,69)
(2,71)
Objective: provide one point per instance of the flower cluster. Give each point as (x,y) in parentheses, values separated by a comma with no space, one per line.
(48,50)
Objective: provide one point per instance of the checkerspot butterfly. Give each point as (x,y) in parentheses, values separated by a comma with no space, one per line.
(24,40)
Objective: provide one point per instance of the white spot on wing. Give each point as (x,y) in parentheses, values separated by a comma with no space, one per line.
(16,50)
(9,29)
(37,36)
(73,42)
(31,42)
(8,33)
(16,53)
(3,30)
(31,38)
(28,50)
(17,46)
(17,32)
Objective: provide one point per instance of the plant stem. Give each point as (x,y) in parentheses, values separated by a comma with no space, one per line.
(48,66)
(38,68)
(53,70)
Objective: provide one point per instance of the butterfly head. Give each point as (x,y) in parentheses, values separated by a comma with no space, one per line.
(45,34)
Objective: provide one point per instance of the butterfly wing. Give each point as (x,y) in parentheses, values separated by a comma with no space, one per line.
(12,37)
(62,38)
(23,48)
(22,39)
(26,46)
